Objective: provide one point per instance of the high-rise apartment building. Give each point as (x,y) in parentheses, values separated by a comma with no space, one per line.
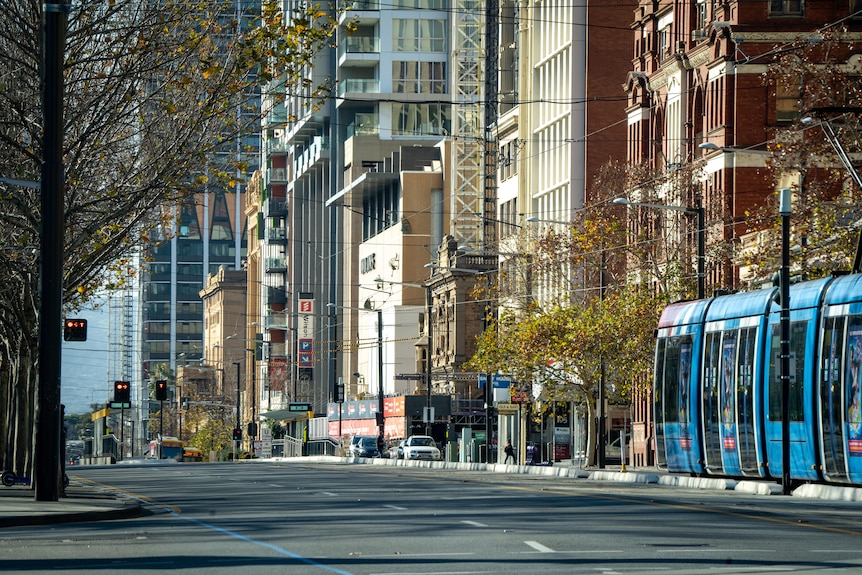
(209,233)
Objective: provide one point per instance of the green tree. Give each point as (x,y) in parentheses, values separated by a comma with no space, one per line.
(153,92)
(822,79)
(593,328)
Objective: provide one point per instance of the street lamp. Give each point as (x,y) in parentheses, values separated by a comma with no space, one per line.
(252,426)
(784,329)
(381,419)
(701,234)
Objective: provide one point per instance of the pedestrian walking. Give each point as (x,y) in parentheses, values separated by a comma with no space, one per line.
(509,451)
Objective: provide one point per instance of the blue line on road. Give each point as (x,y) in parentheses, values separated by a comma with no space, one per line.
(276,548)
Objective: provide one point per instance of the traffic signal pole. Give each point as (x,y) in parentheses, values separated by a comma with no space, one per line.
(48,424)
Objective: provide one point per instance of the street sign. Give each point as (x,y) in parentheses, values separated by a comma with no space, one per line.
(299,407)
(410,376)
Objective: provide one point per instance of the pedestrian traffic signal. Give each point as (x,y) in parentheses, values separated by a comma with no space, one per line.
(161,390)
(75,330)
(237,434)
(122,392)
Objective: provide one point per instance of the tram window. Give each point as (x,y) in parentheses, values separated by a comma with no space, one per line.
(853,375)
(798,334)
(832,403)
(658,392)
(671,382)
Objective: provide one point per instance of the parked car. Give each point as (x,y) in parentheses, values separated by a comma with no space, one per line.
(363,446)
(396,450)
(421,447)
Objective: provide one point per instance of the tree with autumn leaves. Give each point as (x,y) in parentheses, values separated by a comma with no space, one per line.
(594,329)
(156,95)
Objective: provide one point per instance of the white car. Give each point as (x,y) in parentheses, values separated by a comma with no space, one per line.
(421,447)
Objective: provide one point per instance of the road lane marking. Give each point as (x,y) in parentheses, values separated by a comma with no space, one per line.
(276,548)
(539,547)
(434,573)
(474,523)
(395,507)
(175,512)
(329,493)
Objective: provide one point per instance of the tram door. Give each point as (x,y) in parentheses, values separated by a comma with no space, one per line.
(711,408)
(832,400)
(728,410)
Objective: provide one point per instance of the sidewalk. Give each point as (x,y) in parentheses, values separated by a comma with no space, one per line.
(18,506)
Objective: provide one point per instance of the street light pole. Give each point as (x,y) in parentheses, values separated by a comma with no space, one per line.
(380,404)
(237,364)
(429,331)
(428,363)
(381,413)
(784,328)
(698,211)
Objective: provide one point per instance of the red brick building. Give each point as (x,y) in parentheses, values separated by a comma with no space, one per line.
(697,99)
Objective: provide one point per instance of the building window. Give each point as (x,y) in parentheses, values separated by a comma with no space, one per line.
(787,94)
(664,43)
(785,7)
(508,158)
(420,119)
(419,77)
(419,35)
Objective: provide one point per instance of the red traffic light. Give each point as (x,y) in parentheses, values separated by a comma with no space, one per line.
(122,392)
(161,390)
(75,330)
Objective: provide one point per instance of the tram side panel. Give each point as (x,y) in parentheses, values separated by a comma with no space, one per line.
(805,300)
(732,378)
(839,383)
(676,387)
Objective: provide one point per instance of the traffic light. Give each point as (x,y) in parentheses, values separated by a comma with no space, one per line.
(161,390)
(237,434)
(75,330)
(122,392)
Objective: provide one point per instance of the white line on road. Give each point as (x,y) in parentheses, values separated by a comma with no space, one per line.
(395,507)
(276,485)
(328,493)
(539,547)
(474,523)
(434,573)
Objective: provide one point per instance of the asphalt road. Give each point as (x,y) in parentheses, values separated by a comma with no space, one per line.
(305,519)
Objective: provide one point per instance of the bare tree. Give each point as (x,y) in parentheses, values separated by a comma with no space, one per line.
(154,90)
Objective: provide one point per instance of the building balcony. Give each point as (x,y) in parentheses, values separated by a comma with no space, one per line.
(317,150)
(359,88)
(361,11)
(276,235)
(277,175)
(276,265)
(276,146)
(275,322)
(274,207)
(361,52)
(276,115)
(277,350)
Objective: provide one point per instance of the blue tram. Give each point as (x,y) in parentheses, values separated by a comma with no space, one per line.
(717,390)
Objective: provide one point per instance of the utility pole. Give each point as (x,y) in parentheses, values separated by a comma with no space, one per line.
(47,455)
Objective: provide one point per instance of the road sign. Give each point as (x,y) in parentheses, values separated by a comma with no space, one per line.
(299,406)
(410,376)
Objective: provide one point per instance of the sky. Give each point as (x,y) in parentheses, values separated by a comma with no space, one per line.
(84,364)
